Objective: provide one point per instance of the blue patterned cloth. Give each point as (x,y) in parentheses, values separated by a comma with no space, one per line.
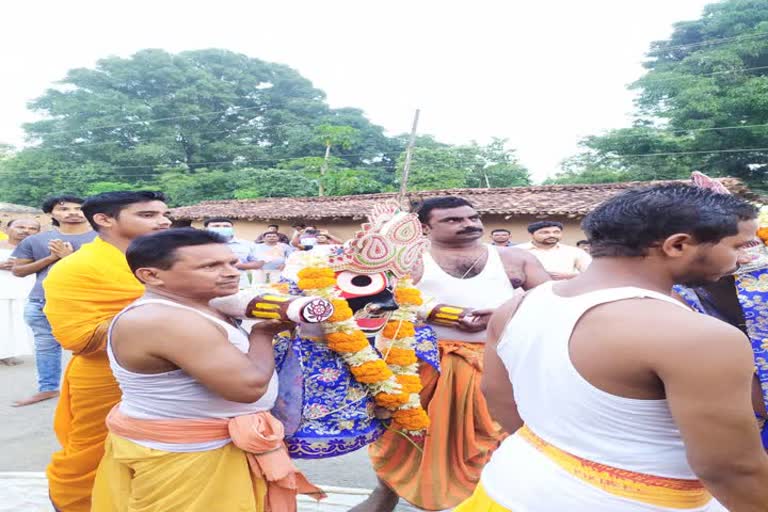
(752,292)
(326,412)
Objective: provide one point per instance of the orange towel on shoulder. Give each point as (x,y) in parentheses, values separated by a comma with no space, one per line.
(83,292)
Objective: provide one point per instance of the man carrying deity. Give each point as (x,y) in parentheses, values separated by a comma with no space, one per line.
(442,468)
(193,430)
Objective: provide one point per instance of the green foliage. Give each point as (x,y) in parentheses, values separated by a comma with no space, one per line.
(214,124)
(699,81)
(474,166)
(276,183)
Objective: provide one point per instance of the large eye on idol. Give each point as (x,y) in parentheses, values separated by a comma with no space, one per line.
(353,284)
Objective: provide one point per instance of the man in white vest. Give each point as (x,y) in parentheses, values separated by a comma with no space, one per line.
(463,272)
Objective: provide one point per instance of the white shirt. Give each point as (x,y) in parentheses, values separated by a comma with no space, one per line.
(560,259)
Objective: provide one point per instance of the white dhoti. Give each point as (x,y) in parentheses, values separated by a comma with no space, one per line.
(15,336)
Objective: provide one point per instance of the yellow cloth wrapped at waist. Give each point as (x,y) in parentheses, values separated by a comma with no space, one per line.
(654,490)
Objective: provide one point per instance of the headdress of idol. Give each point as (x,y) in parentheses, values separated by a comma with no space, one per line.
(387,248)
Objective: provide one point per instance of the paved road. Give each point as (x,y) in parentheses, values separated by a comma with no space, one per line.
(27,437)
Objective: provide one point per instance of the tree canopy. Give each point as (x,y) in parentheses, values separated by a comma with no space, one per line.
(702,105)
(213,124)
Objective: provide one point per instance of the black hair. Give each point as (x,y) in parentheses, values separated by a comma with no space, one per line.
(51,202)
(439,203)
(535,226)
(628,224)
(273,226)
(217,219)
(159,249)
(582,242)
(501,230)
(112,203)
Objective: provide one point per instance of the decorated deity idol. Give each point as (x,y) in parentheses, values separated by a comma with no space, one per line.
(355,355)
(741,300)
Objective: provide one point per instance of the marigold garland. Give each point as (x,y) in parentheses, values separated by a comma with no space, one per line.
(397,343)
(346,339)
(762,222)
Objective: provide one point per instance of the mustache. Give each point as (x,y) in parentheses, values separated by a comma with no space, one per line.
(466,231)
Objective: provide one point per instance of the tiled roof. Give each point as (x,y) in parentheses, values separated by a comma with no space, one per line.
(545,200)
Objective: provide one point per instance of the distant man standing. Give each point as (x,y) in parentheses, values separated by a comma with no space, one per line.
(459,270)
(36,255)
(273,253)
(500,238)
(274,228)
(15,336)
(584,245)
(560,260)
(243,249)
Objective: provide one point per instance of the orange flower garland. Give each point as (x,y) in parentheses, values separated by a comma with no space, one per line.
(346,339)
(397,343)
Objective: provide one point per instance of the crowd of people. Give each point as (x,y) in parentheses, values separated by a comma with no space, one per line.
(573,378)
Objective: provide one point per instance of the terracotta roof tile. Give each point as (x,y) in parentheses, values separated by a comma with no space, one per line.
(555,200)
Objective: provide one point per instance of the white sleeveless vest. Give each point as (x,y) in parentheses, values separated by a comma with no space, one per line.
(489,289)
(176,395)
(564,409)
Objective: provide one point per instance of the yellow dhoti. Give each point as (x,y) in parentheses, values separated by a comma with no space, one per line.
(253,473)
(132,478)
(84,291)
(480,502)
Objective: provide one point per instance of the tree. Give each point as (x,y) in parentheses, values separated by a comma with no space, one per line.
(213,124)
(277,183)
(206,109)
(329,136)
(704,97)
(436,165)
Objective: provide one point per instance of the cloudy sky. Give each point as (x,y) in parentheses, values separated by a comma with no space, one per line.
(543,74)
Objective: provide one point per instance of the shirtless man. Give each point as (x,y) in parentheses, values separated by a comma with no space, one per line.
(459,270)
(631,401)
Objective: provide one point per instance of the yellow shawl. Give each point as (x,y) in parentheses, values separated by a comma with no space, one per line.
(85,291)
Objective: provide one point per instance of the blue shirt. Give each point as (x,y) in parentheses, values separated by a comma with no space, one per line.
(245,252)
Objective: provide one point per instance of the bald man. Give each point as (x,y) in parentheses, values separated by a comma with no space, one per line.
(15,337)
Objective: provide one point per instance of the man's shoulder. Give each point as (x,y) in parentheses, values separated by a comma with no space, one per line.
(570,248)
(84,259)
(516,253)
(661,326)
(40,239)
(154,317)
(33,244)
(86,237)
(242,242)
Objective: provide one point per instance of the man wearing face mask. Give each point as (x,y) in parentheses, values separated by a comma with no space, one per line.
(243,249)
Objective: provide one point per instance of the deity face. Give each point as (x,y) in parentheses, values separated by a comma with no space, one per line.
(369,296)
